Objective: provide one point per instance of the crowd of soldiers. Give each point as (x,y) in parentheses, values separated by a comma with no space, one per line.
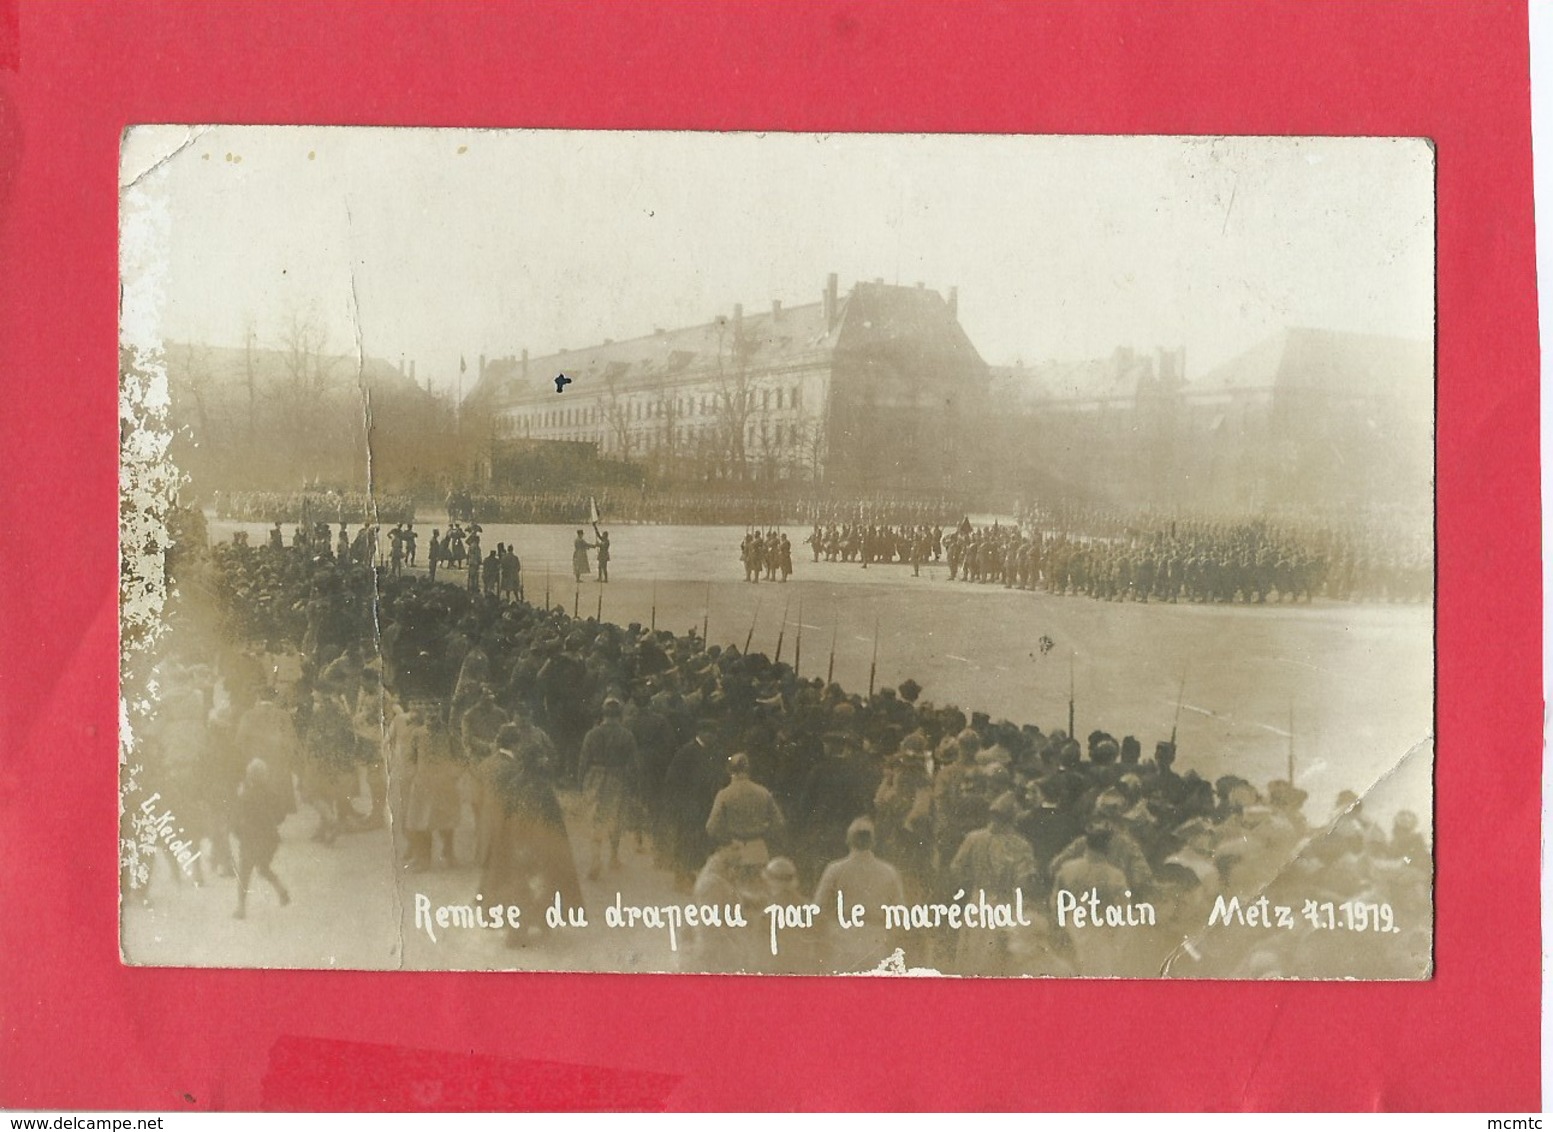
(318,541)
(1211,562)
(1246,566)
(629,505)
(1374,558)
(875,544)
(1110,554)
(498,572)
(1218,562)
(741,780)
(696,508)
(883,511)
(766,554)
(312,506)
(636,505)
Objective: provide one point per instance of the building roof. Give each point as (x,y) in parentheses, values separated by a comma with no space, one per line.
(1116,377)
(882,319)
(766,338)
(1330,360)
(873,317)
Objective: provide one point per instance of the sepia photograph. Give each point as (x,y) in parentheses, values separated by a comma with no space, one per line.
(777,554)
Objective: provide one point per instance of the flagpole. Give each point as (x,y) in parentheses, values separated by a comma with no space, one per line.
(458,401)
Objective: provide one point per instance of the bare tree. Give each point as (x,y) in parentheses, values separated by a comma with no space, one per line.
(809,447)
(768,441)
(308,403)
(671,413)
(617,416)
(191,380)
(734,399)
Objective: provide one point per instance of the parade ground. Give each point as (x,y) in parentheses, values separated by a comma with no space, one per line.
(1357,678)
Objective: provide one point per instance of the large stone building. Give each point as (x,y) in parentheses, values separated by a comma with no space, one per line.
(1316,419)
(875,391)
(879,393)
(1307,420)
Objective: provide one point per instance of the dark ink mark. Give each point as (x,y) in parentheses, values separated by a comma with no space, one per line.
(189,1097)
(561,382)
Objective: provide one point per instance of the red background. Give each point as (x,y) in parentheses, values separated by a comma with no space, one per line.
(77,1029)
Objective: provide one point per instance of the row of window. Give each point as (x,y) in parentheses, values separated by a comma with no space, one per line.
(758,437)
(756,441)
(704,405)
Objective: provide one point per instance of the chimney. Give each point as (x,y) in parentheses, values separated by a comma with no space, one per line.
(412,369)
(482,366)
(878,281)
(738,322)
(401,365)
(830,302)
(776,309)
(524,370)
(954,302)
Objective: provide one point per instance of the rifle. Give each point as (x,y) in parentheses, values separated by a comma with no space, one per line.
(599,615)
(873,665)
(1291,743)
(1180,697)
(653,626)
(750,636)
(782,632)
(576,596)
(830,669)
(706,614)
(547,587)
(1070,694)
(798,644)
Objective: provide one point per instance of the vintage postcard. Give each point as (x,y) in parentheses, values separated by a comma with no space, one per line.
(777,553)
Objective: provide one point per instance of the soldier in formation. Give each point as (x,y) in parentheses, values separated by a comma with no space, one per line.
(952,803)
